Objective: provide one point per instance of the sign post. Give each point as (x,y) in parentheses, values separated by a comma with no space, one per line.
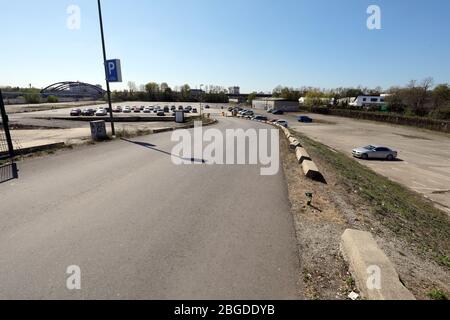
(111,69)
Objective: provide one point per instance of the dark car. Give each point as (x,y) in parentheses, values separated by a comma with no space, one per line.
(304,119)
(207,107)
(180,108)
(75,112)
(260,118)
(88,112)
(173,108)
(160,114)
(194,110)
(166,109)
(278,112)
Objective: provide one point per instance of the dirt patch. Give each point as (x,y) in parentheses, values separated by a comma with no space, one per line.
(411,231)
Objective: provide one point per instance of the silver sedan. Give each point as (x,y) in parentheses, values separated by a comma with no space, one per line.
(375,152)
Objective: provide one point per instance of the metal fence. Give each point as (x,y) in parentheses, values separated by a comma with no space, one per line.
(8,169)
(3,142)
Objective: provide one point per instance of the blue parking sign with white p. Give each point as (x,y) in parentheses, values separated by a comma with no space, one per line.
(113,70)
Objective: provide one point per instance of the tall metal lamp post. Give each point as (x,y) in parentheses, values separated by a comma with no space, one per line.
(201,100)
(108,90)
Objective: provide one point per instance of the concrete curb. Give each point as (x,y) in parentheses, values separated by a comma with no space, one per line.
(189,126)
(302,155)
(294,143)
(29,150)
(310,169)
(374,274)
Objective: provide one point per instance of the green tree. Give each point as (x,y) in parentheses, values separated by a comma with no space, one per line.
(164,87)
(441,96)
(394,101)
(52,99)
(315,98)
(32,98)
(152,88)
(185,92)
(415,95)
(251,97)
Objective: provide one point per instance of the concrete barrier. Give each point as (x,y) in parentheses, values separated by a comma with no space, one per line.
(374,274)
(311,171)
(287,133)
(302,155)
(294,143)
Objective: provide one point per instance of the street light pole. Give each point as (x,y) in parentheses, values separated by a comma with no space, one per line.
(108,90)
(201,100)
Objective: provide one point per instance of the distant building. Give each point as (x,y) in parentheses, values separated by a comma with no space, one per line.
(275,104)
(234,90)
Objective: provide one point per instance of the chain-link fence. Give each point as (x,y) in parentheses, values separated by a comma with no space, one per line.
(8,169)
(3,142)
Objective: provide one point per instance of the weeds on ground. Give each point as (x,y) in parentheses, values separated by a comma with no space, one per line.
(437,295)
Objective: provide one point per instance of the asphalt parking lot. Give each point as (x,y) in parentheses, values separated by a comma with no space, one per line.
(423,164)
(43,127)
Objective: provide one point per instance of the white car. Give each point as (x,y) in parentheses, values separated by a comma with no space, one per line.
(375,152)
(126,110)
(101,113)
(147,110)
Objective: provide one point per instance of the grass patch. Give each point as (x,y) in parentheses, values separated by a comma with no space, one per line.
(437,295)
(406,213)
(350,282)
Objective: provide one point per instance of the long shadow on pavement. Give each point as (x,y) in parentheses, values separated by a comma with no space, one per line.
(153,147)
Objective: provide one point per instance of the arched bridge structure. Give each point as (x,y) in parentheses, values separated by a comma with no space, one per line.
(71,89)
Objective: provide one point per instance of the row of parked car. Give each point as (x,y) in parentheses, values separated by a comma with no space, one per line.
(245,113)
(365,153)
(158,110)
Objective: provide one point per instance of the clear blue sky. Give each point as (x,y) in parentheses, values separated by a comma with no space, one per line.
(257,44)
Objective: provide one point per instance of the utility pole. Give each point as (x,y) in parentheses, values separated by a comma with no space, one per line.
(108,90)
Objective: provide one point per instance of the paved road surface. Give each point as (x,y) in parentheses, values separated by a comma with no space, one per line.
(425,165)
(142,228)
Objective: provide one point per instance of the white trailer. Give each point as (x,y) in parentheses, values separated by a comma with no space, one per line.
(363,101)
